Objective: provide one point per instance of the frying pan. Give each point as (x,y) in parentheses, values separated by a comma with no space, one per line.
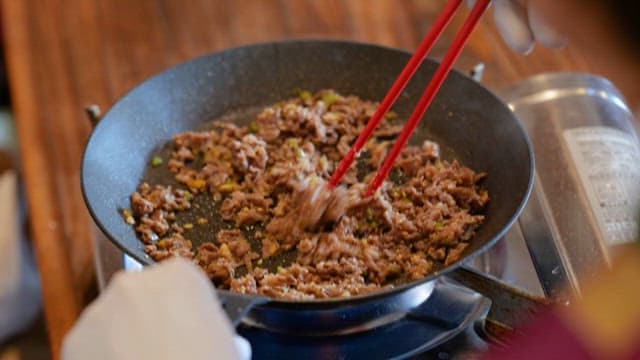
(468,121)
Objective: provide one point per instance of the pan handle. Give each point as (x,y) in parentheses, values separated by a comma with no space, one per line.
(510,307)
(237,306)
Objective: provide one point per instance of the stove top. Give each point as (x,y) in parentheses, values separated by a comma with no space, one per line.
(562,233)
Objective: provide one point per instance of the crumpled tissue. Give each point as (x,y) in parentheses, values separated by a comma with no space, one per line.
(167,311)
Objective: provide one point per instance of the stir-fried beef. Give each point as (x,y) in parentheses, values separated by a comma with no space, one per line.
(268,180)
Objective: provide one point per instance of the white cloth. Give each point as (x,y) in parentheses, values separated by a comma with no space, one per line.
(19,283)
(521,26)
(167,311)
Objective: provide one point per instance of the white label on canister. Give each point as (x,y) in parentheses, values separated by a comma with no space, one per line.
(608,163)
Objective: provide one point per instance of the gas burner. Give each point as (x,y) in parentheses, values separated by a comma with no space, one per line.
(447,313)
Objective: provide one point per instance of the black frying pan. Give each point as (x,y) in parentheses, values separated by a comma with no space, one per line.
(468,121)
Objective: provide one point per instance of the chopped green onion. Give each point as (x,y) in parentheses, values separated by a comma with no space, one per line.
(279,268)
(369,214)
(329,98)
(293,143)
(439,225)
(253,127)
(156,161)
(391,115)
(188,196)
(304,95)
(228,186)
(128,217)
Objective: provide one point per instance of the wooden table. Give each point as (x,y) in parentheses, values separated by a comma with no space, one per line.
(65,54)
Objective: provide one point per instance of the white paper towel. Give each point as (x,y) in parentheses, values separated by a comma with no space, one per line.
(168,311)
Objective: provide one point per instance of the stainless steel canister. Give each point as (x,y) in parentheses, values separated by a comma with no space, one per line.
(586,198)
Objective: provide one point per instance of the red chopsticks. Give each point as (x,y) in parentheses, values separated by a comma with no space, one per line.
(425,100)
(412,65)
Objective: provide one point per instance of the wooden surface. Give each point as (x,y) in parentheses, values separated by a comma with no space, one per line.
(65,54)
